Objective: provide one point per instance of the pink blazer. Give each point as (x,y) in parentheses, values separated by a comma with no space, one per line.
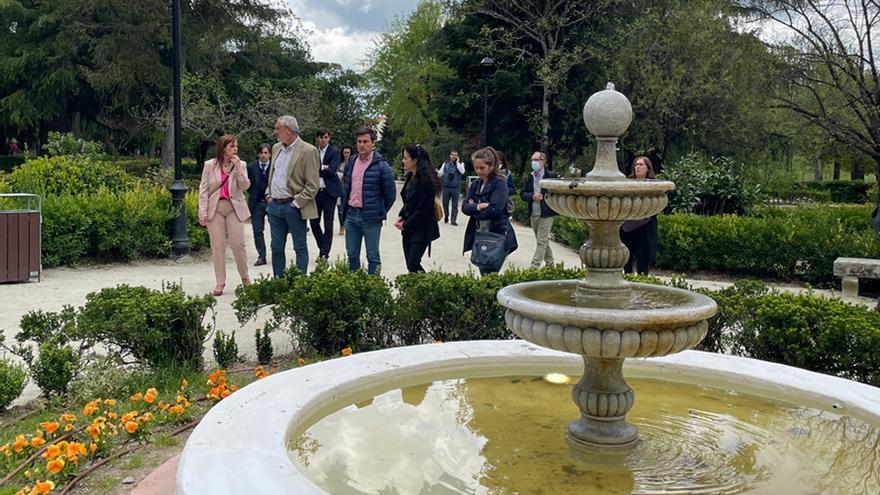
(209,190)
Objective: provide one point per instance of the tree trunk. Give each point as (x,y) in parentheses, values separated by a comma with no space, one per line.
(836,173)
(818,174)
(877,178)
(858,171)
(75,127)
(168,143)
(545,121)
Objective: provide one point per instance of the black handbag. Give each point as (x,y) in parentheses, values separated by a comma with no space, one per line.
(488,252)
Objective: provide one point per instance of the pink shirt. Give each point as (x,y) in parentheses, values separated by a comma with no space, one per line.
(224,189)
(356,196)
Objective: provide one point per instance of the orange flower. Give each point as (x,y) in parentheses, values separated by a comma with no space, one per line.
(24,491)
(110,402)
(94,431)
(68,427)
(93,447)
(52,451)
(136,397)
(55,465)
(131,427)
(75,449)
(37,441)
(19,443)
(68,418)
(346,351)
(112,415)
(150,396)
(49,426)
(300,361)
(43,487)
(91,407)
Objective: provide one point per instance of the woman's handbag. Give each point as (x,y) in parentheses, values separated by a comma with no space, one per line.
(488,252)
(438,209)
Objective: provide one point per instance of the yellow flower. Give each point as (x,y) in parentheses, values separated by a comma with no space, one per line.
(112,415)
(24,491)
(68,427)
(184,383)
(90,408)
(136,397)
(43,487)
(346,351)
(52,451)
(49,426)
(110,402)
(300,361)
(93,447)
(37,441)
(131,426)
(55,465)
(68,418)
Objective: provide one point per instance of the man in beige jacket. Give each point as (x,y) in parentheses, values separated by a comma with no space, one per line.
(293,184)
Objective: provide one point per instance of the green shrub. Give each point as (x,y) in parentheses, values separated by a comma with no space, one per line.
(707,186)
(78,175)
(225,350)
(808,331)
(161,328)
(54,367)
(263,345)
(332,308)
(64,143)
(12,380)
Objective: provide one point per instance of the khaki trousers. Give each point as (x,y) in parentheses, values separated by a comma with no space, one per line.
(541,227)
(226,224)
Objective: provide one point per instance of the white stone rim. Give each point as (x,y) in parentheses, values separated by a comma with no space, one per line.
(241,444)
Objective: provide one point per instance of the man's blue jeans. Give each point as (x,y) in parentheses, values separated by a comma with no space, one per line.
(284,218)
(355,230)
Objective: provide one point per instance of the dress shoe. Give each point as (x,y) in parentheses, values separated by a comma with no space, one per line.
(260,262)
(446,220)
(455,223)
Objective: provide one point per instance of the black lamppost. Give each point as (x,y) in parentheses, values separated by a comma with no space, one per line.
(487,68)
(179,239)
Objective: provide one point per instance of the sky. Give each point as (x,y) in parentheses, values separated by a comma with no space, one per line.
(343,31)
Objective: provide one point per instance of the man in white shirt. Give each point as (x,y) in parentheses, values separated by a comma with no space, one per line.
(329,191)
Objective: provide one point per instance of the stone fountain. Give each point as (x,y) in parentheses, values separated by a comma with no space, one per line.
(603,317)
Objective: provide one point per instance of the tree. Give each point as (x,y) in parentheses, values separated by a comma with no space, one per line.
(831,50)
(540,32)
(405,72)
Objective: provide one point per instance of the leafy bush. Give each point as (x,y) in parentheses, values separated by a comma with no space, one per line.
(225,350)
(161,328)
(707,186)
(263,346)
(54,367)
(58,175)
(63,143)
(838,191)
(12,380)
(332,308)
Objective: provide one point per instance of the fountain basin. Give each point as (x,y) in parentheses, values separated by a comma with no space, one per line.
(241,445)
(607,200)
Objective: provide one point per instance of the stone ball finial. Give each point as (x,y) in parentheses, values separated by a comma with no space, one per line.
(608,113)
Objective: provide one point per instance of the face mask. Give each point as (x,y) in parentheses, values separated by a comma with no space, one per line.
(536,165)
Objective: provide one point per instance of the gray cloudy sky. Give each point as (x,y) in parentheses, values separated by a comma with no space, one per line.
(342,31)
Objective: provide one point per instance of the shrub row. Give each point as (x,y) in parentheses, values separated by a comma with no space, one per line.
(157,329)
(785,243)
(838,191)
(97,210)
(331,309)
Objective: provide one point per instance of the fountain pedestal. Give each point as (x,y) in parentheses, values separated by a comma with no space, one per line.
(605,318)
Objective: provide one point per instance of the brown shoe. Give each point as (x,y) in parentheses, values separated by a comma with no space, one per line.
(341,230)
(260,262)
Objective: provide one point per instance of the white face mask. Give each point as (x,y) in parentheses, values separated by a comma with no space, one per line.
(536,165)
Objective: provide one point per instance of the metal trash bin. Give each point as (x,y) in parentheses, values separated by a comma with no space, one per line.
(20,237)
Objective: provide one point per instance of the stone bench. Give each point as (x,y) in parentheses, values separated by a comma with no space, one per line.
(850,270)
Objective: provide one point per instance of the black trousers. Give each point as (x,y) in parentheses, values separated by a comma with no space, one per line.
(258,222)
(323,237)
(450,194)
(412,253)
(643,265)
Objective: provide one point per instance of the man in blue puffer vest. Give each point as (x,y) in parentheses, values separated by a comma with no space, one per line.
(367,194)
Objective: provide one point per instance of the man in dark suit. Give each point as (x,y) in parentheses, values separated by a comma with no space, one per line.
(258,173)
(329,192)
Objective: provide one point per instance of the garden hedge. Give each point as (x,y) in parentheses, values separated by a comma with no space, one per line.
(803,330)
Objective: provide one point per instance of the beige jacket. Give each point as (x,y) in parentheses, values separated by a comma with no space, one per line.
(209,190)
(302,176)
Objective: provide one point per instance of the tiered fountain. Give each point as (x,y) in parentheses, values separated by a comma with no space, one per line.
(603,317)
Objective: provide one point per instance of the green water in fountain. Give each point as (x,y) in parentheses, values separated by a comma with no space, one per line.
(503,436)
(641,296)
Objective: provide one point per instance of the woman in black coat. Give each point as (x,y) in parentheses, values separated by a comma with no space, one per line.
(640,235)
(416,219)
(486,203)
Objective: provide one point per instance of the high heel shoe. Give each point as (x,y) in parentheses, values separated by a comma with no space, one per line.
(218,292)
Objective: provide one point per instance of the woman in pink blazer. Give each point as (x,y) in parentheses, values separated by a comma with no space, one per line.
(223,209)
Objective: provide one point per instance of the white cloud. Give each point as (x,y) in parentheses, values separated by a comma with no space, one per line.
(336,44)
